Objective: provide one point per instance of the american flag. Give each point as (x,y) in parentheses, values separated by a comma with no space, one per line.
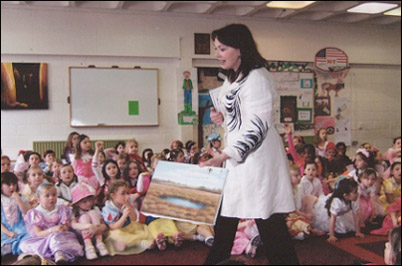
(331,57)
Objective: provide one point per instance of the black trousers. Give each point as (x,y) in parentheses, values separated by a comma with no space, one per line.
(278,245)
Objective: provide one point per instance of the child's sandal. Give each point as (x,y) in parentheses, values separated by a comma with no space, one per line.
(178,239)
(102,249)
(160,241)
(90,253)
(209,241)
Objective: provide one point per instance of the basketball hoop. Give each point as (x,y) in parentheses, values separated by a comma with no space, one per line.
(330,60)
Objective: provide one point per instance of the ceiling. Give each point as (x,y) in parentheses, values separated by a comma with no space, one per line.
(320,11)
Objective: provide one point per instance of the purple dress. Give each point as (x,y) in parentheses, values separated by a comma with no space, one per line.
(48,246)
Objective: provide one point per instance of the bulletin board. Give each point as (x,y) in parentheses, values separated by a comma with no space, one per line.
(295,104)
(101,97)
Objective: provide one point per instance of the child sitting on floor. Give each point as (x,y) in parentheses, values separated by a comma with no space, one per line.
(49,226)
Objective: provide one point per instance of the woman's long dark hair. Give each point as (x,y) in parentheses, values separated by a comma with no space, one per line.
(344,186)
(239,36)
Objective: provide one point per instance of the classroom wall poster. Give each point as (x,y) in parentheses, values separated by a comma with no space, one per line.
(295,87)
(342,120)
(188,96)
(208,78)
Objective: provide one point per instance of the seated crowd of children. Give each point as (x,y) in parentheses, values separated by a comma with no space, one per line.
(88,202)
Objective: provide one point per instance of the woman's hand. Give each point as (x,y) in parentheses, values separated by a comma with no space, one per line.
(216,117)
(216,161)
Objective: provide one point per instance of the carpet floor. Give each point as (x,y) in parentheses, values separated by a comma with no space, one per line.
(348,250)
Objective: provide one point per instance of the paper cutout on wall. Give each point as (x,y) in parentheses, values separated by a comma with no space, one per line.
(188,87)
(325,122)
(342,117)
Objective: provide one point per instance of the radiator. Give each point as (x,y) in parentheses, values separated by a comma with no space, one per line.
(57,146)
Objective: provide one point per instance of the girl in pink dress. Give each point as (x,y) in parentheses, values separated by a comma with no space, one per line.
(49,226)
(369,206)
(83,163)
(247,238)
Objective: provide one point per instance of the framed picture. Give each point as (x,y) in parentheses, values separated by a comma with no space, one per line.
(202,43)
(322,106)
(288,111)
(304,115)
(24,86)
(185,192)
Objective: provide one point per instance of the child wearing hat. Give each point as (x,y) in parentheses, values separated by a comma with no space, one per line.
(215,142)
(88,221)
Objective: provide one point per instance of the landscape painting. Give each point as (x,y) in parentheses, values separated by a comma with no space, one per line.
(185,192)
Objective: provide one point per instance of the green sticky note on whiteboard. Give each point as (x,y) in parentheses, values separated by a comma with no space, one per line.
(133,108)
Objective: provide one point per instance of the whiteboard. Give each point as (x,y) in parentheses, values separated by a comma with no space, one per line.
(113,97)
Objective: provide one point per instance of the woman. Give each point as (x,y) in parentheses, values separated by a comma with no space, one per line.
(258,184)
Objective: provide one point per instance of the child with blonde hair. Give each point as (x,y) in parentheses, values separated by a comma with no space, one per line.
(132,153)
(35,177)
(49,224)
(299,221)
(88,221)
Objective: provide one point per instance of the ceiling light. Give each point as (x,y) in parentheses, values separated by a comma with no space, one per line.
(289,4)
(372,8)
(394,12)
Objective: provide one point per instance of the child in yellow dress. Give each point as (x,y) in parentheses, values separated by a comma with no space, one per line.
(391,188)
(126,235)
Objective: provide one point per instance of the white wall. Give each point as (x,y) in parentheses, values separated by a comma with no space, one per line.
(65,38)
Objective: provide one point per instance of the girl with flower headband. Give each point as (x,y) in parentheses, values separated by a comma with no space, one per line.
(48,225)
(363,159)
(338,212)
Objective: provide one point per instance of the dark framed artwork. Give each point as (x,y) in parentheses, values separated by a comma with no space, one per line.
(322,106)
(202,43)
(24,86)
(288,109)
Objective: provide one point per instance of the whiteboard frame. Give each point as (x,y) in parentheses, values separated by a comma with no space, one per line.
(70,99)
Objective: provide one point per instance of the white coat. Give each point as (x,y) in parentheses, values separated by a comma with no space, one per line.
(258,183)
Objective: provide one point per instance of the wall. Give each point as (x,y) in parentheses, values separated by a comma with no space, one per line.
(66,38)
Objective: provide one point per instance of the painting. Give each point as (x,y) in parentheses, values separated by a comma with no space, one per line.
(322,106)
(185,192)
(202,43)
(288,109)
(24,86)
